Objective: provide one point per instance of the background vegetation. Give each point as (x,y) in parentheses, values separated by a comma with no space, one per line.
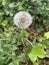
(28,47)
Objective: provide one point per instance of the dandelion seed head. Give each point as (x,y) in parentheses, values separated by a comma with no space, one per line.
(22,19)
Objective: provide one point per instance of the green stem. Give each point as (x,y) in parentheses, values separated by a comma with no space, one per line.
(28,41)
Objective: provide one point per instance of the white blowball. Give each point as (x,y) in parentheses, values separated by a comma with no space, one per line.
(22,19)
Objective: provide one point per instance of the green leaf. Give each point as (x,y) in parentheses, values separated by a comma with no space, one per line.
(35,63)
(46,43)
(41,54)
(37,51)
(11,63)
(20,7)
(4,2)
(4,23)
(2,60)
(24,33)
(32,55)
(14,63)
(47,54)
(41,38)
(46,35)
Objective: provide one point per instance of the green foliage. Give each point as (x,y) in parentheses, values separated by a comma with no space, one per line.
(46,35)
(37,51)
(17,46)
